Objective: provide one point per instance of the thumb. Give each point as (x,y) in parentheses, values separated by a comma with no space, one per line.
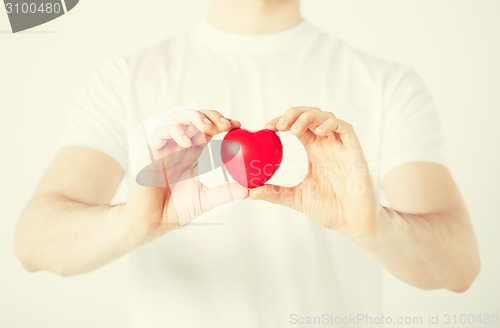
(284,196)
(220,195)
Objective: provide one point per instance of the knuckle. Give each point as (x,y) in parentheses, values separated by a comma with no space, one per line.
(330,115)
(274,120)
(331,120)
(172,128)
(349,127)
(292,111)
(173,117)
(210,112)
(196,117)
(307,116)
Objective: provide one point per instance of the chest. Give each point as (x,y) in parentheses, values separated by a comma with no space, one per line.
(254,90)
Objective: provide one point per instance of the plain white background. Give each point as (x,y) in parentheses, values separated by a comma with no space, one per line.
(453,44)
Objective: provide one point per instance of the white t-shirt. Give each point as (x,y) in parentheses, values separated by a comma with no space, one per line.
(255,264)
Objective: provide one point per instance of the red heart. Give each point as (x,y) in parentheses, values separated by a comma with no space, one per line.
(251,158)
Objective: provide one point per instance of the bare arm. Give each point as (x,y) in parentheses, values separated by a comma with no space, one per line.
(425,237)
(69,227)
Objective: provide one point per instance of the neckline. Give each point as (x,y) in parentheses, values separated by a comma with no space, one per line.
(224,41)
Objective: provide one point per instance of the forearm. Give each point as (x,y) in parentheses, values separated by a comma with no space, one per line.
(66,237)
(428,251)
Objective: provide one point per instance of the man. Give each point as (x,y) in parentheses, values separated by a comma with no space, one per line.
(375,186)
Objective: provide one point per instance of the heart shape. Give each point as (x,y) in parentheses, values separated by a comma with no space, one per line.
(251,158)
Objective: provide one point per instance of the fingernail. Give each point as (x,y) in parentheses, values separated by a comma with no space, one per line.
(224,120)
(295,126)
(281,123)
(207,121)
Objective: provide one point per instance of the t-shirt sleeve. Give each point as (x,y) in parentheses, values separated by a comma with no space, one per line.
(411,129)
(97,118)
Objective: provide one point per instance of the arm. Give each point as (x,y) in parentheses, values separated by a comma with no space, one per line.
(425,239)
(69,227)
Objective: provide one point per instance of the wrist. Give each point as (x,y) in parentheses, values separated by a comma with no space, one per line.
(378,233)
(123,221)
(141,227)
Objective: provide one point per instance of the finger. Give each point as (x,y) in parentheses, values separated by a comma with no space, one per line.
(210,118)
(291,115)
(235,124)
(213,197)
(285,196)
(164,134)
(179,136)
(200,138)
(197,137)
(222,123)
(191,131)
(159,138)
(307,137)
(309,120)
(205,121)
(271,125)
(333,125)
(189,117)
(330,126)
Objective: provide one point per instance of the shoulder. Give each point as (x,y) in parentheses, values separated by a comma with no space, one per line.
(148,59)
(357,63)
(389,78)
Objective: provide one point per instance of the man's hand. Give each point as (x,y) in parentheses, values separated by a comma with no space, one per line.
(425,239)
(69,226)
(337,191)
(176,147)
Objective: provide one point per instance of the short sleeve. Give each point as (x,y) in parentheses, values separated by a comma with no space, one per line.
(97,118)
(411,129)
